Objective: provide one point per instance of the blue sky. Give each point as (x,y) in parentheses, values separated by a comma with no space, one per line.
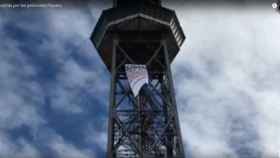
(51,99)
(54,87)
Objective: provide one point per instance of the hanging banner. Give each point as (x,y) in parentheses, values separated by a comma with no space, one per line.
(137,76)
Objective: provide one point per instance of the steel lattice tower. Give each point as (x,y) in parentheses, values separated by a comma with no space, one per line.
(141,32)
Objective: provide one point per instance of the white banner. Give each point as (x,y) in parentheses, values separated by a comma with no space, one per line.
(137,76)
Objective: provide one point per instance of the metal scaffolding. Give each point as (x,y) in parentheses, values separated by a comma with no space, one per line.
(145,33)
(145,126)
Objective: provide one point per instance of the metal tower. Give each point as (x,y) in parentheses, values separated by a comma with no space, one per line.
(141,32)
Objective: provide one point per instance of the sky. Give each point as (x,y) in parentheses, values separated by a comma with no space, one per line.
(54,87)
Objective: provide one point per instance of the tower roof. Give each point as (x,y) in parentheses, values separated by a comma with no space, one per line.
(134,23)
(127,3)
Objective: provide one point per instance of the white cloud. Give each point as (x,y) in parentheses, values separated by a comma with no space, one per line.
(16,109)
(6,147)
(227,69)
(71,80)
(69,22)
(21,97)
(72,77)
(67,150)
(27,150)
(20,149)
(92,136)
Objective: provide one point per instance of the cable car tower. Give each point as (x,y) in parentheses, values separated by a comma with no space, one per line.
(141,32)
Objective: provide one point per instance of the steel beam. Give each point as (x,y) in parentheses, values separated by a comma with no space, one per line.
(174,104)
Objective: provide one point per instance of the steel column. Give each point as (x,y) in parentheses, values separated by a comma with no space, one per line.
(174,107)
(110,151)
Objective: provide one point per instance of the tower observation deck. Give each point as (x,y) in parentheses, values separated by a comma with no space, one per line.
(141,32)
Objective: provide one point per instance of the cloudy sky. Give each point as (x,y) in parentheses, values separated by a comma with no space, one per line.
(54,87)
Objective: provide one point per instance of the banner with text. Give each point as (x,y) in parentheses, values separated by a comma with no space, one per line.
(137,76)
